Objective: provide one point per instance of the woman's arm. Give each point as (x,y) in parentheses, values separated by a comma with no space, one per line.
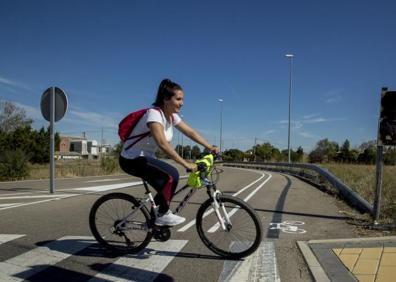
(157,132)
(192,134)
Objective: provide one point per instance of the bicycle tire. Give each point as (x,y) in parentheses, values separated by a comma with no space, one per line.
(115,206)
(230,244)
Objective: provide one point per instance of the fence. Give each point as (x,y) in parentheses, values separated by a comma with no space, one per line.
(315,175)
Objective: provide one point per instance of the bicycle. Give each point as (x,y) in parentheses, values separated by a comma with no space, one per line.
(227,225)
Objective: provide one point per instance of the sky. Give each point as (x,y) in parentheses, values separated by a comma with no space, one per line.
(110,56)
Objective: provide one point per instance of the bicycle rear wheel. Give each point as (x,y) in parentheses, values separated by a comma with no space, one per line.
(106,214)
(243,234)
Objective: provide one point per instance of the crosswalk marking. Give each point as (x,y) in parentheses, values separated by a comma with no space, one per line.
(27,264)
(259,267)
(142,267)
(145,266)
(4,238)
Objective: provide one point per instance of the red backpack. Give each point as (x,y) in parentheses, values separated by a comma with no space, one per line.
(128,123)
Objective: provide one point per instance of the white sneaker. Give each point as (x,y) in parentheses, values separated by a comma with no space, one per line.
(169,219)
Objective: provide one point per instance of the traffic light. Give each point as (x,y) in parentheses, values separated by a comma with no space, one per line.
(387,122)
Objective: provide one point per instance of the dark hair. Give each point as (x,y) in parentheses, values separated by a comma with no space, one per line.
(166,90)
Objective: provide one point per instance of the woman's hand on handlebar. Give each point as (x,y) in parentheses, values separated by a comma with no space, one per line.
(191,167)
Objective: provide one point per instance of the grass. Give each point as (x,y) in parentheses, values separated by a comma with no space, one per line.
(76,168)
(361,179)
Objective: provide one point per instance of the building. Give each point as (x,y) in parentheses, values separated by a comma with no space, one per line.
(77,148)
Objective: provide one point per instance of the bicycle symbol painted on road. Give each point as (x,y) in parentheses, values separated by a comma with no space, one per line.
(289,226)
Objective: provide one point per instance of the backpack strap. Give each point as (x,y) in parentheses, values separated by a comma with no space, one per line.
(139,137)
(143,135)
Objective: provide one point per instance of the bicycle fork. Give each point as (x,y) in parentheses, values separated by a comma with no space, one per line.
(219,208)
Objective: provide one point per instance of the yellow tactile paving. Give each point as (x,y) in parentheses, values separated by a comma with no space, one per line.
(390,250)
(389,259)
(386,274)
(365,278)
(351,251)
(337,251)
(349,260)
(371,253)
(366,266)
(370,264)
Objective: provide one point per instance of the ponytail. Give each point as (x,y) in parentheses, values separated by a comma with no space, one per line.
(166,90)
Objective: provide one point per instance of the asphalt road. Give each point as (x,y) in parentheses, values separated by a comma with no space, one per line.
(46,237)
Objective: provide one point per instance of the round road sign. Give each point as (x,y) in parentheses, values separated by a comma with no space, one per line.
(60,104)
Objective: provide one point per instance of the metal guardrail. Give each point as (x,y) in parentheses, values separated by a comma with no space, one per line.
(299,169)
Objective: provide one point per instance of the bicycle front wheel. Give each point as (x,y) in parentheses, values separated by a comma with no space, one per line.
(239,237)
(105,221)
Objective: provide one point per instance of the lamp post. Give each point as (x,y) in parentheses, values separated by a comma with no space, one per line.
(290,57)
(221,122)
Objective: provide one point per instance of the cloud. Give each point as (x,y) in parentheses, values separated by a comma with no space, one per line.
(309,116)
(333,96)
(13,84)
(94,120)
(307,135)
(31,112)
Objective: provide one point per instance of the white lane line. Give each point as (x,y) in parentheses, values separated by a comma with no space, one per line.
(37,197)
(102,188)
(142,267)
(8,205)
(192,222)
(234,210)
(38,202)
(4,238)
(103,180)
(27,264)
(260,266)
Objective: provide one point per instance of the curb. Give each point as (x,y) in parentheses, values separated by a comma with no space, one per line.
(315,267)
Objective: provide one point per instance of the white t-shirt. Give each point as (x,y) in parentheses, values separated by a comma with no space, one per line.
(147,146)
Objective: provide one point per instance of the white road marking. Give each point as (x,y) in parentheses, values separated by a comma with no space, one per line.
(8,205)
(103,180)
(260,266)
(192,222)
(234,210)
(27,264)
(102,188)
(4,238)
(142,267)
(37,197)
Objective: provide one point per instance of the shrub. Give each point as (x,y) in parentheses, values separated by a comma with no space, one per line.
(109,164)
(14,165)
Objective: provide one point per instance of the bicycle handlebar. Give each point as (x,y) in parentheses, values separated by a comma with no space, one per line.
(202,164)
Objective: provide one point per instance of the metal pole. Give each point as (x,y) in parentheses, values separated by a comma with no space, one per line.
(221,123)
(378,184)
(254,149)
(52,140)
(290,56)
(182,148)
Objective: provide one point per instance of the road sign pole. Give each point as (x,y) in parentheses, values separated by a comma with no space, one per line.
(378,183)
(52,140)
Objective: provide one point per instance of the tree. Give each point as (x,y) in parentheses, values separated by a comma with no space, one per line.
(325,151)
(344,155)
(368,155)
(233,155)
(195,152)
(264,152)
(12,117)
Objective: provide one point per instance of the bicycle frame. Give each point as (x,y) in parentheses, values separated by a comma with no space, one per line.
(210,189)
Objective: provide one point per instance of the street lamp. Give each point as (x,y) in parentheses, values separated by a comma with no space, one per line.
(290,57)
(221,122)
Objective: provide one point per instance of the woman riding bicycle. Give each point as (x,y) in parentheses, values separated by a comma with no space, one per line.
(139,159)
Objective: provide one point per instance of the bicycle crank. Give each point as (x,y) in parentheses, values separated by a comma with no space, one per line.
(161,234)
